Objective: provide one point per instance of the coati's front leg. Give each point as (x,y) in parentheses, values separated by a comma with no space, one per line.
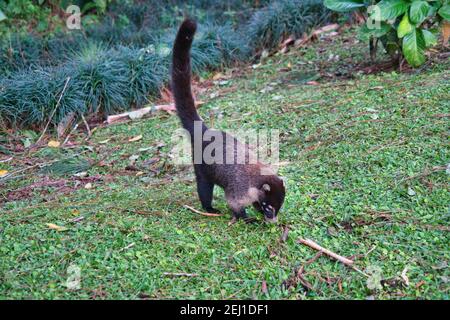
(240,214)
(205,190)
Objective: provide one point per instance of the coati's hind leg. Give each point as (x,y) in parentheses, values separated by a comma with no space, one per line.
(205,193)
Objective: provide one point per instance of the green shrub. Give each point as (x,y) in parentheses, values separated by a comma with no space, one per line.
(402,26)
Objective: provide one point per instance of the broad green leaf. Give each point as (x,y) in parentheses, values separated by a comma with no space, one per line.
(2,16)
(343,5)
(429,37)
(418,11)
(404,27)
(444,12)
(431,11)
(391,9)
(414,48)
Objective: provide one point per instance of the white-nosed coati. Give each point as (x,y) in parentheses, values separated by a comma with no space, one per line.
(247,183)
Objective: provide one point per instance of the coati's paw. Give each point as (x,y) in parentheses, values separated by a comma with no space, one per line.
(212,210)
(250,220)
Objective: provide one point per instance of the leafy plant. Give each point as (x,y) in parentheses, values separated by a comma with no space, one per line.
(404,27)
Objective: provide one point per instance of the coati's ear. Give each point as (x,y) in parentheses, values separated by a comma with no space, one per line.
(265,187)
(283,179)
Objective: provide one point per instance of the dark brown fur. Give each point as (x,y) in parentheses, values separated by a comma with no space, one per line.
(244,184)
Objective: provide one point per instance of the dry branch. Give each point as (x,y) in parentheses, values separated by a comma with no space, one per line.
(181,274)
(315,246)
(285,234)
(137,114)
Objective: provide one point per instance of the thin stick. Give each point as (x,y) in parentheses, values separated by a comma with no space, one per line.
(128,247)
(203,213)
(285,233)
(54,110)
(315,246)
(68,136)
(6,160)
(86,125)
(181,274)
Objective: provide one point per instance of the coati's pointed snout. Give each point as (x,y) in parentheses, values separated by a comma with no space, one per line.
(268,210)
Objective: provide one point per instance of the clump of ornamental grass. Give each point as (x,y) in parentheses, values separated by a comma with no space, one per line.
(30,97)
(148,71)
(102,78)
(271,24)
(18,52)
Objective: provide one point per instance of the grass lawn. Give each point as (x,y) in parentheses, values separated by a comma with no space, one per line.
(366,178)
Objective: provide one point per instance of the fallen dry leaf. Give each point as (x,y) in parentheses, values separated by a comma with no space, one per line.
(3,173)
(404,276)
(88,186)
(264,287)
(217,76)
(53,144)
(134,139)
(445,32)
(55,227)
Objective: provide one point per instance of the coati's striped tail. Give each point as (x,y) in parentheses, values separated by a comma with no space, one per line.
(181,75)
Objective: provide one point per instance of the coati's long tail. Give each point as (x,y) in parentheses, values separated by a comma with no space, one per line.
(181,75)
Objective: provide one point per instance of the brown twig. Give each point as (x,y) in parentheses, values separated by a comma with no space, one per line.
(315,246)
(208,214)
(86,125)
(285,234)
(128,247)
(68,135)
(180,274)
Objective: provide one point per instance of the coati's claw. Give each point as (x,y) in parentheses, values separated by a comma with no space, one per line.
(250,220)
(232,221)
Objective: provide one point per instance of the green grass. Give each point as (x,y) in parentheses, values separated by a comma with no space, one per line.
(352,146)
